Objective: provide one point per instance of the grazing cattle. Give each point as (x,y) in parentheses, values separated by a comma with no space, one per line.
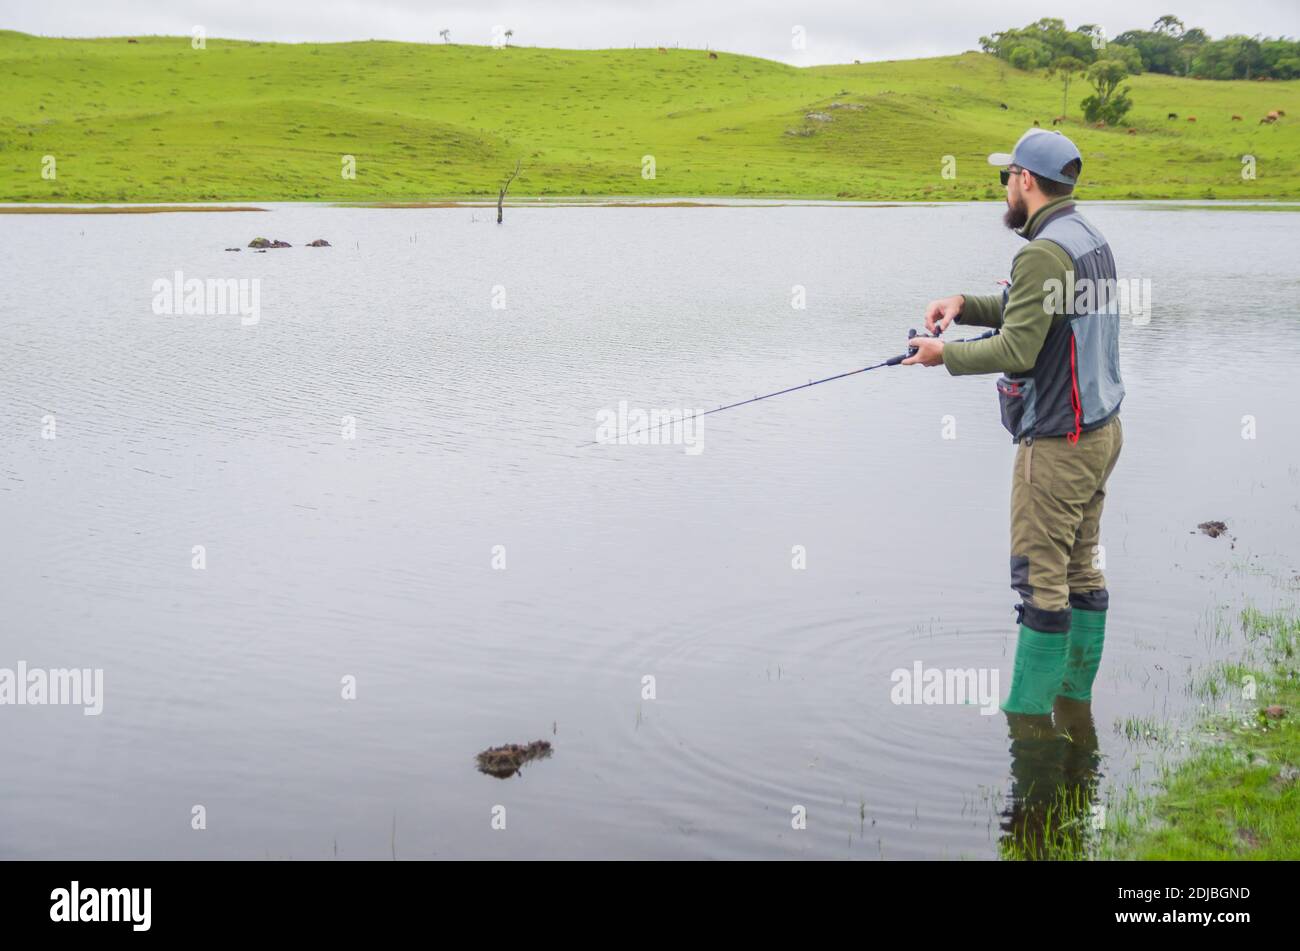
(1035,122)
(1274,115)
(1100,125)
(662,50)
(1280,112)
(1132,131)
(1236,118)
(133,41)
(1058,120)
(713,56)
(1003,105)
(1191,118)
(1267,120)
(1172,115)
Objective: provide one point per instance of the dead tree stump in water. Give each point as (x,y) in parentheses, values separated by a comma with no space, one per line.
(501,196)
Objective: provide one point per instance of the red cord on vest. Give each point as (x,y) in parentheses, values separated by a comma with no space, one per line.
(1074,395)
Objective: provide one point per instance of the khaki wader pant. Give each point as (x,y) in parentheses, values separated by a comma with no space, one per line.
(1057,491)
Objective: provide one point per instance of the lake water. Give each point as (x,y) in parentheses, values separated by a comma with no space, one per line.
(383,474)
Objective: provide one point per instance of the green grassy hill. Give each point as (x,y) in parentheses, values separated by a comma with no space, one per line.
(155,120)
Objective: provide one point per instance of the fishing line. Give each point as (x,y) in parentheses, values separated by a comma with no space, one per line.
(892,361)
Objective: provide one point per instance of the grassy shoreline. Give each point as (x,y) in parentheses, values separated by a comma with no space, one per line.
(556,203)
(118,209)
(1237,796)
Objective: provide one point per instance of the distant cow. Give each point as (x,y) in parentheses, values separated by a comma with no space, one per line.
(1236,118)
(662,50)
(1191,118)
(1267,120)
(1132,131)
(1280,112)
(1058,120)
(1003,106)
(1100,125)
(133,41)
(1172,115)
(1035,122)
(1274,115)
(713,56)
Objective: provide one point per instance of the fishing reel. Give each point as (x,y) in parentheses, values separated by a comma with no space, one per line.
(912,348)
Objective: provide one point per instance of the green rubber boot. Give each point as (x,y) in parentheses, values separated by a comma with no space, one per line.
(1087,632)
(1038,672)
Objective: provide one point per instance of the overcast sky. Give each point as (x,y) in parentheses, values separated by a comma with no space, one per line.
(835,31)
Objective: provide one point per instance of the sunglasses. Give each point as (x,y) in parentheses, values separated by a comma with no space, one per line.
(1006,173)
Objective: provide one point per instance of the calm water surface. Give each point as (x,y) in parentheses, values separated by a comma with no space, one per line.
(373,557)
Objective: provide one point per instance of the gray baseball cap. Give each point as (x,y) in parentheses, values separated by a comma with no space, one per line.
(1043,153)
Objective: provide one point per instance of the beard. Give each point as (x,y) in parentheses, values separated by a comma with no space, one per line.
(1016,214)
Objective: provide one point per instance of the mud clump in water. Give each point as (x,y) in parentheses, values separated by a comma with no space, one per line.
(505,761)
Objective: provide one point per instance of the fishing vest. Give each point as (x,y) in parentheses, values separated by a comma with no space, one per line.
(1075,384)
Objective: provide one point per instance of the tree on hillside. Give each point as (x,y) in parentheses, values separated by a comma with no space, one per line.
(1095,35)
(1281,59)
(1065,68)
(1214,60)
(1248,55)
(1169,25)
(1029,54)
(1109,103)
(1169,46)
(509,33)
(1236,57)
(1039,44)
(1127,55)
(1159,52)
(1192,42)
(445,34)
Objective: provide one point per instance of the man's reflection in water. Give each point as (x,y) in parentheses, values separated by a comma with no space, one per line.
(1054,780)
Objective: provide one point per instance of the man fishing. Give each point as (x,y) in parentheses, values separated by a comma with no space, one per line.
(1057,348)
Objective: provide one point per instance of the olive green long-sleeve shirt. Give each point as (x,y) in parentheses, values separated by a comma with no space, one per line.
(1028,314)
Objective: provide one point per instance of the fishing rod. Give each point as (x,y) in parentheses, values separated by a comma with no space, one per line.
(891,362)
